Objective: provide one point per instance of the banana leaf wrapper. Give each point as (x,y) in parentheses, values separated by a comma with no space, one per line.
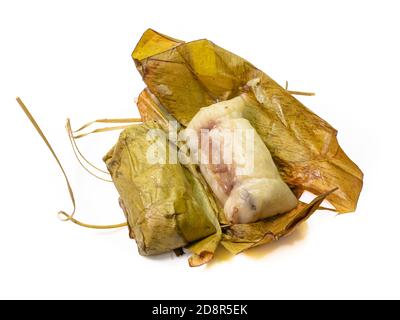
(202,251)
(239,237)
(165,204)
(151,110)
(184,77)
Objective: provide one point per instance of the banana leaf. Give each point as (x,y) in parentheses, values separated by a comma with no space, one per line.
(203,251)
(170,206)
(239,237)
(184,77)
(165,205)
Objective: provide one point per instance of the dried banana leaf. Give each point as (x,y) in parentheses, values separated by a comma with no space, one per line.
(203,250)
(170,206)
(165,205)
(150,109)
(187,76)
(240,237)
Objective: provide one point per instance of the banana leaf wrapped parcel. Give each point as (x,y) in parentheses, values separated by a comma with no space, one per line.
(182,78)
(185,77)
(166,206)
(176,205)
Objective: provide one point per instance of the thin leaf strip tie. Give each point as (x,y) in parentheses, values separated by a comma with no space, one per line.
(78,154)
(116,120)
(67,217)
(81,158)
(298,93)
(301,93)
(99,130)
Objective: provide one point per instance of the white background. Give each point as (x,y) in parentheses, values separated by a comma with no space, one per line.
(72,59)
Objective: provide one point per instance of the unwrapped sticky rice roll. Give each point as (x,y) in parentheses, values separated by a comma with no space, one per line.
(236,163)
